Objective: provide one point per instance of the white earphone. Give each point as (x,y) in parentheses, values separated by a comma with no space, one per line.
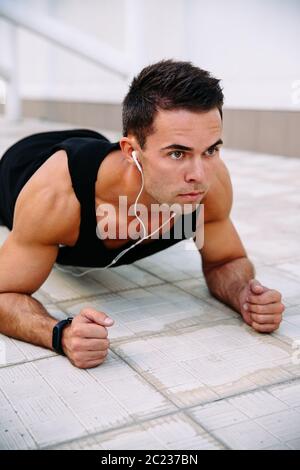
(136,161)
(134,156)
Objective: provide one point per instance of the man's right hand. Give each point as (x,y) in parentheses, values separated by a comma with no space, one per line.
(85,340)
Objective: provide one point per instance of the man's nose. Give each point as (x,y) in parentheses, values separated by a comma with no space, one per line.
(195,171)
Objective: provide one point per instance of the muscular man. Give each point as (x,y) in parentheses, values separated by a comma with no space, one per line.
(53,183)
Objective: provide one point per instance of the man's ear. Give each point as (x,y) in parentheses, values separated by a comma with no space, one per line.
(128,145)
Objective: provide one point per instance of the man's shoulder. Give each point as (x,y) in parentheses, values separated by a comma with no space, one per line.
(47,202)
(218,200)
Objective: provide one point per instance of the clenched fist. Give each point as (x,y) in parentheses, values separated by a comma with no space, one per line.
(261,307)
(85,340)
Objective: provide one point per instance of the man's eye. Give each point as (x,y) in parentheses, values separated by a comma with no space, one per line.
(176,152)
(211,152)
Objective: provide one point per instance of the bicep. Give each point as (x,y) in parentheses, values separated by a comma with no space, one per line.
(24,266)
(28,254)
(41,222)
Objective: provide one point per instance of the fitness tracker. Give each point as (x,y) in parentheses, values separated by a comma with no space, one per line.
(57,335)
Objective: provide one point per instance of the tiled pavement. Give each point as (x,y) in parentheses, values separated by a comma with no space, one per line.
(183,370)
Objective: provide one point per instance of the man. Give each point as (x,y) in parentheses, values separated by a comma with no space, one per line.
(52,185)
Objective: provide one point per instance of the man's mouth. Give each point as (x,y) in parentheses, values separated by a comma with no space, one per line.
(192,195)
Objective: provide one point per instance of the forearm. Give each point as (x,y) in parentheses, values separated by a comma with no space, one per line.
(23,317)
(225,282)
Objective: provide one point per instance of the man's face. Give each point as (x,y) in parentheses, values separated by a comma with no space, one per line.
(171,172)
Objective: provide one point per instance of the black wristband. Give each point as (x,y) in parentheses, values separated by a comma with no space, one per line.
(57,335)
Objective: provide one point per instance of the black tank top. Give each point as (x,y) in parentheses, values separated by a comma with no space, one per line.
(85,149)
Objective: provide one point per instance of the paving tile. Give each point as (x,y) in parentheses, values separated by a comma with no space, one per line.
(218,370)
(111,280)
(294,444)
(284,425)
(178,430)
(62,286)
(258,404)
(263,419)
(47,417)
(98,405)
(129,438)
(42,297)
(13,433)
(217,415)
(294,320)
(89,401)
(288,393)
(291,269)
(125,277)
(291,312)
(190,394)
(9,352)
(167,265)
(196,287)
(293,366)
(32,352)
(140,399)
(247,435)
(288,332)
(168,376)
(272,375)
(171,432)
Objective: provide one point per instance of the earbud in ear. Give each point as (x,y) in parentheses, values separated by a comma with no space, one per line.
(136,160)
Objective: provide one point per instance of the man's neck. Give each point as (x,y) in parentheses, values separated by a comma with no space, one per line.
(116,177)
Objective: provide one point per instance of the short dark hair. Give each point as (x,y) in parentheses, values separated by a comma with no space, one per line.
(167,85)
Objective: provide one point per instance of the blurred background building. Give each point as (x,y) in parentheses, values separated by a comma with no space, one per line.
(72,60)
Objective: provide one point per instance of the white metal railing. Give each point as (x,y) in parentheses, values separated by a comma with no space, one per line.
(58,33)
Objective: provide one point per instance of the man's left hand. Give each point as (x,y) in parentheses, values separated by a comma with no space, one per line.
(261,307)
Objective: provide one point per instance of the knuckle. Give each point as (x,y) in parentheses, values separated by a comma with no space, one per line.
(75,345)
(76,330)
(77,357)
